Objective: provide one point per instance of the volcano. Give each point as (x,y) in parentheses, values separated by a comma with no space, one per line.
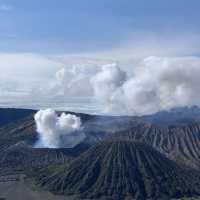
(121,170)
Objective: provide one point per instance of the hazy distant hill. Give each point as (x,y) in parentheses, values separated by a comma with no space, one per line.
(175,116)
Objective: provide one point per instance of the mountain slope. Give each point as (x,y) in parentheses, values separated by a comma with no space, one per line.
(178,141)
(11,115)
(121,169)
(21,158)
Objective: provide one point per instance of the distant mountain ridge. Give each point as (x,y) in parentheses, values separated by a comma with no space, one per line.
(175,116)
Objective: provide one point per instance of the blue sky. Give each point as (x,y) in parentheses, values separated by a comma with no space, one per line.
(67,26)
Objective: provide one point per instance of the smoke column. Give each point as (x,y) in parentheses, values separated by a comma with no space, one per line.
(58,131)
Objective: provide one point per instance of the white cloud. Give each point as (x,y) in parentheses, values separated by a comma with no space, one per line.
(72,82)
(27,66)
(58,131)
(106,83)
(25,71)
(158,84)
(39,81)
(133,85)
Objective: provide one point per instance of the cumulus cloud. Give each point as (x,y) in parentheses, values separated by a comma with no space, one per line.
(128,86)
(157,84)
(58,131)
(148,86)
(106,83)
(72,82)
(73,77)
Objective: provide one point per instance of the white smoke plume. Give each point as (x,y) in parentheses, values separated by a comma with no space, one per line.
(157,84)
(58,131)
(106,84)
(133,88)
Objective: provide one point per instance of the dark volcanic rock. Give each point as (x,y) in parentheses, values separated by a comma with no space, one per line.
(121,169)
(179,143)
(10,115)
(21,158)
(13,133)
